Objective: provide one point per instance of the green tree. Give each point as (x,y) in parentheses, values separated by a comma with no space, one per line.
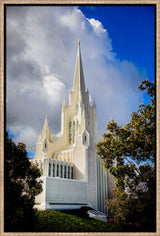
(129,154)
(21,186)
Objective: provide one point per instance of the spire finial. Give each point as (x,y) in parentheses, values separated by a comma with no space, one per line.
(78,42)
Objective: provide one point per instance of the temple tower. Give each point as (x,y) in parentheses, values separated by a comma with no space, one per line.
(72,173)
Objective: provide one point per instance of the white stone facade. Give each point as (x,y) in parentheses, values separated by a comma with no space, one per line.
(72,173)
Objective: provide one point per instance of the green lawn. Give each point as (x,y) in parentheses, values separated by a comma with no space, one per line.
(55,221)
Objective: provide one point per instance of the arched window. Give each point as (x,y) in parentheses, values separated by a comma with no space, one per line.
(68,172)
(61,171)
(70,132)
(53,170)
(57,170)
(72,172)
(64,171)
(73,131)
(49,169)
(85,138)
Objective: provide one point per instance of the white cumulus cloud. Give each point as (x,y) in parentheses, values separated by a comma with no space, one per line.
(54,88)
(41,55)
(97,25)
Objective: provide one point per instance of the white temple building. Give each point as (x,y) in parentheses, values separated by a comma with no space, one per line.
(72,172)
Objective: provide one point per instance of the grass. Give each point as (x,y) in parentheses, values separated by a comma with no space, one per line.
(55,221)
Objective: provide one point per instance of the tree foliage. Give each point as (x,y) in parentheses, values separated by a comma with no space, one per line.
(21,187)
(129,154)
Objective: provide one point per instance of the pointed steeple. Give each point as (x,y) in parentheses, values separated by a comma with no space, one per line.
(45,131)
(79,84)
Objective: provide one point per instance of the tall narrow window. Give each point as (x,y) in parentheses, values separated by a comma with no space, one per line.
(45,146)
(70,132)
(41,169)
(77,108)
(64,171)
(49,169)
(77,125)
(53,170)
(61,171)
(72,172)
(73,131)
(57,170)
(68,172)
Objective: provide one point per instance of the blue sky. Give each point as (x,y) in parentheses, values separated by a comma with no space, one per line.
(117,47)
(131,29)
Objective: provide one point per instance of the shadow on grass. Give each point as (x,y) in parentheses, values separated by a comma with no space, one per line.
(74,221)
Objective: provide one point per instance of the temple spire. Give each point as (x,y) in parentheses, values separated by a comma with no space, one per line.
(45,131)
(46,127)
(64,104)
(79,84)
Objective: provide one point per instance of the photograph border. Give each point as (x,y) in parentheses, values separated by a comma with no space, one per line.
(2,106)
